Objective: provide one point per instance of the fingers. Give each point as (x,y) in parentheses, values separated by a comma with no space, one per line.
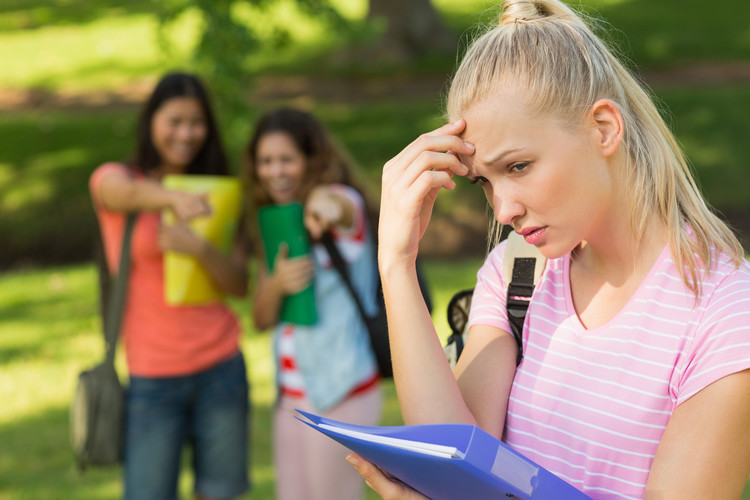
(428,163)
(384,485)
(188,206)
(292,274)
(411,182)
(323,210)
(315,225)
(283,251)
(443,142)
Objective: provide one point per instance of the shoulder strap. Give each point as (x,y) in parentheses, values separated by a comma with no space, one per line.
(522,267)
(116,300)
(340,265)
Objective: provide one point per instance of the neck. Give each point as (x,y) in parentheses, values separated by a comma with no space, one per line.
(615,254)
(166,169)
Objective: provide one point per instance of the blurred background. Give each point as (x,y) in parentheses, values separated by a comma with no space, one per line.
(73,74)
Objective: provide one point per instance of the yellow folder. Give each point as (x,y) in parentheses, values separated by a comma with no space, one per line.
(186,282)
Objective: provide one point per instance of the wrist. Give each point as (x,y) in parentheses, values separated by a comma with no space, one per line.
(390,267)
(202,249)
(170,199)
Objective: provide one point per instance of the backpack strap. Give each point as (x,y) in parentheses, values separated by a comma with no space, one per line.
(338,262)
(522,267)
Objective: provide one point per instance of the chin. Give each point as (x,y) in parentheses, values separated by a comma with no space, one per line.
(180,164)
(554,252)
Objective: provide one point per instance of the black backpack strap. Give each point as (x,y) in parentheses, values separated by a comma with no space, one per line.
(340,265)
(523,265)
(520,290)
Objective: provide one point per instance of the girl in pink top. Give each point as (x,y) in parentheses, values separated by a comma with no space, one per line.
(188,382)
(635,374)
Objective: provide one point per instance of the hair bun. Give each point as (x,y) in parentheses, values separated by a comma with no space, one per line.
(520,11)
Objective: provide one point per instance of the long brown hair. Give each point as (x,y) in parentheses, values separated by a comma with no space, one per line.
(211,159)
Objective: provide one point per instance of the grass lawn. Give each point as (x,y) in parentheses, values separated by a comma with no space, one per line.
(50,331)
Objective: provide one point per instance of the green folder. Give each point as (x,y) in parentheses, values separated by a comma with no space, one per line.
(285,224)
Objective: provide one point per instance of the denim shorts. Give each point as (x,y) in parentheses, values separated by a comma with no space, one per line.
(207,410)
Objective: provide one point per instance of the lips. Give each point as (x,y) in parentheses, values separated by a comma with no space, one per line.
(533,235)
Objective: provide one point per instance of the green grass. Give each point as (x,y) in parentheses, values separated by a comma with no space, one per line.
(50,331)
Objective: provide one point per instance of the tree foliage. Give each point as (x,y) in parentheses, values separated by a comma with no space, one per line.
(224,42)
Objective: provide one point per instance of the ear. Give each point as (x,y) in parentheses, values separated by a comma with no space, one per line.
(607,123)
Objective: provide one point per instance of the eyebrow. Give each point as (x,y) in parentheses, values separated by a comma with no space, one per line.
(494,159)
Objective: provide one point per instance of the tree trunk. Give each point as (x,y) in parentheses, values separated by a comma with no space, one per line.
(412,28)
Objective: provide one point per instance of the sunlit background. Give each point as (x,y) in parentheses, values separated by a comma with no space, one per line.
(73,74)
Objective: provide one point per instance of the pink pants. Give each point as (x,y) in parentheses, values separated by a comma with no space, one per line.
(310,465)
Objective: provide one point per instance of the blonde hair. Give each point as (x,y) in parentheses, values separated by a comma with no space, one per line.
(547,49)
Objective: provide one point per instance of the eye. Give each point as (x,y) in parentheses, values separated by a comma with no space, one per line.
(479,179)
(518,167)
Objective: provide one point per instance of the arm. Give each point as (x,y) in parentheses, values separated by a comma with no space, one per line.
(705,449)
(290,276)
(229,272)
(427,389)
(119,192)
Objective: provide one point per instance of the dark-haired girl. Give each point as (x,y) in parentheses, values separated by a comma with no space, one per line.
(327,368)
(187,375)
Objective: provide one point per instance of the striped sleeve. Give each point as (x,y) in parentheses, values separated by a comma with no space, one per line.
(488,301)
(721,345)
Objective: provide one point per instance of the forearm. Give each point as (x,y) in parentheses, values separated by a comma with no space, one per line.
(229,272)
(123,194)
(267,303)
(427,390)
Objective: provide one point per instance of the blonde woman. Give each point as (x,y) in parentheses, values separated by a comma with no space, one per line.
(635,374)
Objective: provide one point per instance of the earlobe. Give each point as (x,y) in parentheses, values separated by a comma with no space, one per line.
(608,123)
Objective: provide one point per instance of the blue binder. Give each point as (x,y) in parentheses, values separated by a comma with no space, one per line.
(448,461)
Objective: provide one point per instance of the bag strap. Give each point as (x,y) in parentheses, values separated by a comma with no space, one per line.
(340,265)
(522,267)
(116,302)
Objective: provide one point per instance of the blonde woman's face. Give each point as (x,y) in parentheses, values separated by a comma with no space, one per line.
(280,167)
(548,180)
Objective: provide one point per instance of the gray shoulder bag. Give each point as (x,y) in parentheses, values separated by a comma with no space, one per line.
(96,412)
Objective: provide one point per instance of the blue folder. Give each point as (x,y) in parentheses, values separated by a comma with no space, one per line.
(465,463)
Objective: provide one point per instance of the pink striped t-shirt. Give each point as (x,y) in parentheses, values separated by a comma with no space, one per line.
(591,405)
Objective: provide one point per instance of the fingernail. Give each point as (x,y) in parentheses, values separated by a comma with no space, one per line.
(353,460)
(457,121)
(469,145)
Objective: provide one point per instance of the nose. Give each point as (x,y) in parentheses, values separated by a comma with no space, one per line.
(275,168)
(185,132)
(505,204)
(189,132)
